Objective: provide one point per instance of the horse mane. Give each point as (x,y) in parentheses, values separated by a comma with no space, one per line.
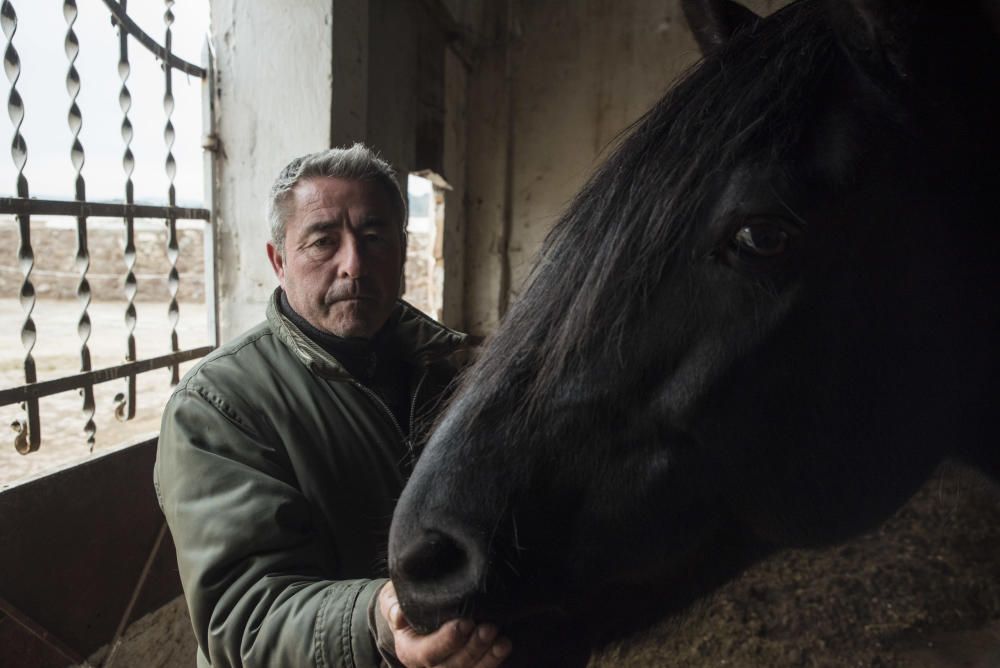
(602,261)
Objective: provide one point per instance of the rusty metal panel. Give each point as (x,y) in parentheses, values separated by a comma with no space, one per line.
(77,573)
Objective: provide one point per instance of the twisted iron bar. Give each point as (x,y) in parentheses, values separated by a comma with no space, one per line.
(82,261)
(125,401)
(120,17)
(28,432)
(170,166)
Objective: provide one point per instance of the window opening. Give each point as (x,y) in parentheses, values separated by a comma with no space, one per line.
(107,272)
(424,270)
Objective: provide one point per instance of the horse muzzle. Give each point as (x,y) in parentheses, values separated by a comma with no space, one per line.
(441,576)
(437,574)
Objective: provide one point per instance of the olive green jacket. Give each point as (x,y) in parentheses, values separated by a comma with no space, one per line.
(277,473)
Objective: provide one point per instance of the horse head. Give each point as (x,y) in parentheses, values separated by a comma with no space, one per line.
(762,323)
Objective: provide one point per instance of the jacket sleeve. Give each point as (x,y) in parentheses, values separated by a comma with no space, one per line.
(259,579)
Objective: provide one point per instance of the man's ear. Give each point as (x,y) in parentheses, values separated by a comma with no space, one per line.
(277,259)
(714,22)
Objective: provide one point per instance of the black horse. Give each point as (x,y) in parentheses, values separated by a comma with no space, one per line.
(762,323)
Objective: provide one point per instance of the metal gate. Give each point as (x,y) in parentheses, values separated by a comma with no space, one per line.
(28,429)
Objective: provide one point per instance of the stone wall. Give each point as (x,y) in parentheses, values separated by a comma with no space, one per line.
(421,274)
(55,275)
(424,269)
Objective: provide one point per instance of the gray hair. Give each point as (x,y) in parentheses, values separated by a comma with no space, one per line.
(357,163)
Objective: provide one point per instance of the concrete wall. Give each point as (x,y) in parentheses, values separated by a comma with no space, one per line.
(556,85)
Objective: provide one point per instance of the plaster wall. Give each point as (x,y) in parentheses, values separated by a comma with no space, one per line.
(273,102)
(557,85)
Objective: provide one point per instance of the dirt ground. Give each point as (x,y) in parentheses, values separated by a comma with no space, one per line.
(921,592)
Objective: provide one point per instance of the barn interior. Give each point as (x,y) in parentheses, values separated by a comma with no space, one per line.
(504,107)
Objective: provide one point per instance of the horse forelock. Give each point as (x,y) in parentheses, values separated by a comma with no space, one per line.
(626,229)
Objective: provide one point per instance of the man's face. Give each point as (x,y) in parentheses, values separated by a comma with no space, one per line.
(343,255)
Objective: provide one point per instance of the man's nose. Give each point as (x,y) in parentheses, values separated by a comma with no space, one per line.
(351,261)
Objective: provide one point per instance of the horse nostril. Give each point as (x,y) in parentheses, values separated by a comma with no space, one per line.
(434,557)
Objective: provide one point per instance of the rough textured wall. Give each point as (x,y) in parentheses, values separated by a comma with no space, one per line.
(273,102)
(453,243)
(557,83)
(392,87)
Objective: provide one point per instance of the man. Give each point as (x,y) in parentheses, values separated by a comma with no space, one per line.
(282,453)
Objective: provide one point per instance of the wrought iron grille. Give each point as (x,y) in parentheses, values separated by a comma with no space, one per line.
(28,428)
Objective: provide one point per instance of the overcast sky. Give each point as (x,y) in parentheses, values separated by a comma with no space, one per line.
(39,40)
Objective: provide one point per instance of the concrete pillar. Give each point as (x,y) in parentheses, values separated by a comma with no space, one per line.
(454,228)
(274,101)
(488,152)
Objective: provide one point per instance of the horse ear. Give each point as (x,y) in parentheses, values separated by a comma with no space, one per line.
(937,61)
(913,41)
(713,22)
(884,37)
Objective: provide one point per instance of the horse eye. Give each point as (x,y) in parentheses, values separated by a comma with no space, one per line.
(761,239)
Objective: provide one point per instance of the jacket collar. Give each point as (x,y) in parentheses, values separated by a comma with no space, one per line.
(419,339)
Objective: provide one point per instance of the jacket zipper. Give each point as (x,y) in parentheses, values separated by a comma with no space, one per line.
(406,439)
(413,406)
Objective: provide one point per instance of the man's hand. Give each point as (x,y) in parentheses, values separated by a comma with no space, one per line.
(457,644)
